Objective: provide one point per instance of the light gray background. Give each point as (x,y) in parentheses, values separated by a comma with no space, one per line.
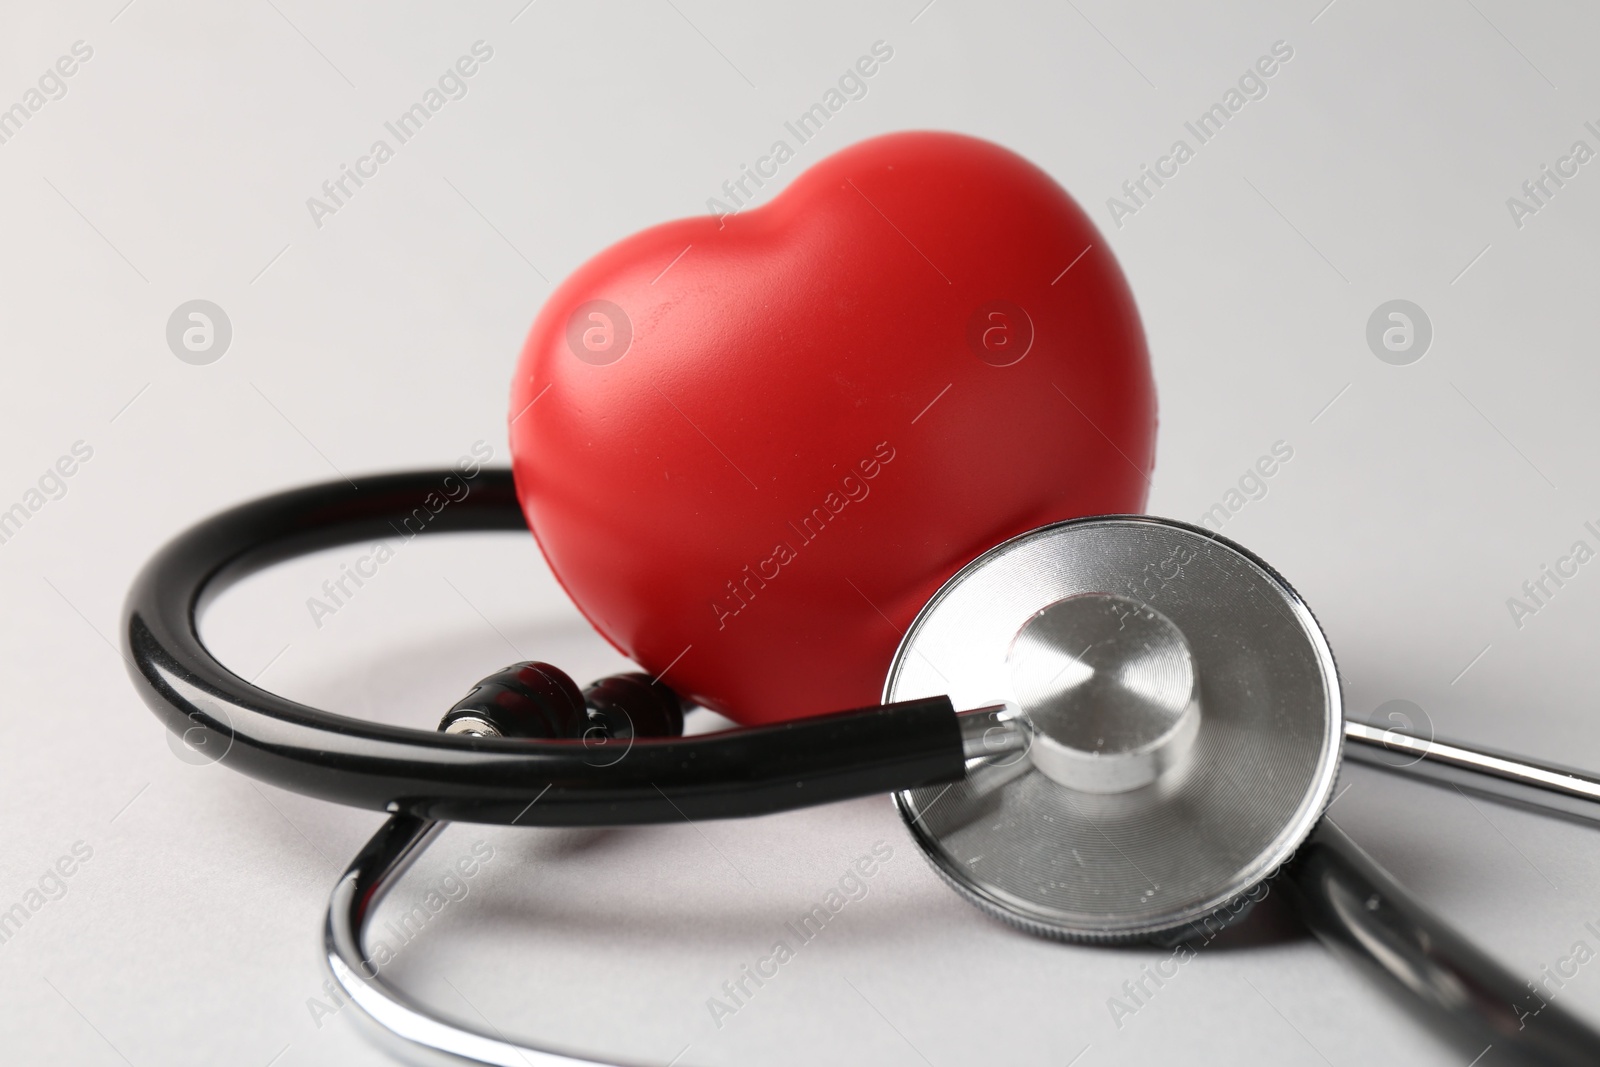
(1418,500)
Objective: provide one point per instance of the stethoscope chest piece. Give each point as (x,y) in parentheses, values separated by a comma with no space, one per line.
(1183,722)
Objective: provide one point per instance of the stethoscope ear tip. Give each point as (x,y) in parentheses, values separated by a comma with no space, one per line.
(536,700)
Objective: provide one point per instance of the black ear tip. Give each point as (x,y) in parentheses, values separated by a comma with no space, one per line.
(533,699)
(527,699)
(635,705)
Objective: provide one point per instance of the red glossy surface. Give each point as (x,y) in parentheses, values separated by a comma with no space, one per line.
(816,421)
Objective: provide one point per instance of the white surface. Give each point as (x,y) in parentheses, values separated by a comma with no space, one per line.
(177,166)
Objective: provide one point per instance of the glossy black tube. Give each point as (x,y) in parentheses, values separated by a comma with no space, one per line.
(1358,910)
(477,779)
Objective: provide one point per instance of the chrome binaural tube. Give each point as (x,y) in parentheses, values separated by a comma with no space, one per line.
(1544,787)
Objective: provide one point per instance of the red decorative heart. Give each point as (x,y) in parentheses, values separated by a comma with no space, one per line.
(753,447)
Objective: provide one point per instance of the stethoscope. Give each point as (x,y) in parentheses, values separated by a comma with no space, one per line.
(1151,729)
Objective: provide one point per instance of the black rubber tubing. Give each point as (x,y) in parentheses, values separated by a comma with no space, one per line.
(743,772)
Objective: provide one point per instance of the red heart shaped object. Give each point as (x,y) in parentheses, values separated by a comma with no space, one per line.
(752,448)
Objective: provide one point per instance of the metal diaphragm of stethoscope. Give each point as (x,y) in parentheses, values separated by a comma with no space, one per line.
(1152,729)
